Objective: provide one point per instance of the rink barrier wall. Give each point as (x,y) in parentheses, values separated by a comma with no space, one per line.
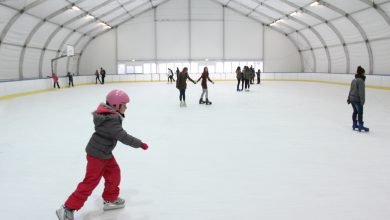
(12,89)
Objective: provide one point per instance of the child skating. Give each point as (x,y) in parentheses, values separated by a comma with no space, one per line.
(205,77)
(100,160)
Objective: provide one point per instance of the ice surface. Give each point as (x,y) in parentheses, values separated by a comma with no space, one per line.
(284,150)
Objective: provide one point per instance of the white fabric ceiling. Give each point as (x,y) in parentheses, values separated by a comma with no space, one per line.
(337,33)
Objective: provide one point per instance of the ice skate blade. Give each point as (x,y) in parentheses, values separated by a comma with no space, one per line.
(108,208)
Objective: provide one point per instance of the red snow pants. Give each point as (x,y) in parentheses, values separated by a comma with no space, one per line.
(96,169)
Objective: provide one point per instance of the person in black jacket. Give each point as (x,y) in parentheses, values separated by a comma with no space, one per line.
(70,78)
(103,74)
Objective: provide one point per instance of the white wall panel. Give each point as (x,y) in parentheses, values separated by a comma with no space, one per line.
(9,62)
(302,44)
(381,56)
(100,53)
(108,7)
(308,19)
(45,8)
(206,10)
(40,37)
(243,37)
(292,24)
(338,59)
(78,23)
(61,67)
(46,64)
(386,8)
(65,16)
(347,5)
(280,54)
(90,27)
(359,56)
(80,45)
(312,38)
(72,39)
(120,20)
(136,38)
(324,12)
(266,11)
(19,4)
(349,31)
(58,38)
(173,10)
(308,61)
(327,34)
(173,40)
(31,63)
(373,24)
(322,60)
(206,40)
(19,31)
(6,15)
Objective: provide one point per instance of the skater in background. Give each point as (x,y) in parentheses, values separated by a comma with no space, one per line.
(70,78)
(356,98)
(205,77)
(239,77)
(252,71)
(181,85)
(97,77)
(177,72)
(258,76)
(247,77)
(103,74)
(100,160)
(55,80)
(170,76)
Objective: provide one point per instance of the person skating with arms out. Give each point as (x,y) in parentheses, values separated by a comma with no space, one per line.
(205,77)
(100,160)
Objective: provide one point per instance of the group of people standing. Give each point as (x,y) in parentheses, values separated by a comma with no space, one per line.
(247,77)
(101,74)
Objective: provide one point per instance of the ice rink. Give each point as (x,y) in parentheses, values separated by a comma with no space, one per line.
(283,151)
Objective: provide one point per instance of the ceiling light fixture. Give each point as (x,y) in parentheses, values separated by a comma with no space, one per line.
(315,3)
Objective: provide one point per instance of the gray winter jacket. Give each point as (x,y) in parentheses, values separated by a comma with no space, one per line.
(357,91)
(108,130)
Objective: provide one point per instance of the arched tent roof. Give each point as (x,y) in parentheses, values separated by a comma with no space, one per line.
(330,35)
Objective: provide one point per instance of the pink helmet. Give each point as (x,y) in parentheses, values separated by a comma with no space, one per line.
(117,97)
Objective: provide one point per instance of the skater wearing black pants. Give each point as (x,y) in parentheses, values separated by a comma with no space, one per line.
(170,76)
(247,77)
(357,98)
(70,77)
(181,85)
(239,77)
(258,76)
(205,77)
(103,74)
(97,77)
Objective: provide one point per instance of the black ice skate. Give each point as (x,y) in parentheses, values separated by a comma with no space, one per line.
(362,128)
(201,101)
(208,102)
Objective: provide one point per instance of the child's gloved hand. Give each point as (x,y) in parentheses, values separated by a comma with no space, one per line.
(144,146)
